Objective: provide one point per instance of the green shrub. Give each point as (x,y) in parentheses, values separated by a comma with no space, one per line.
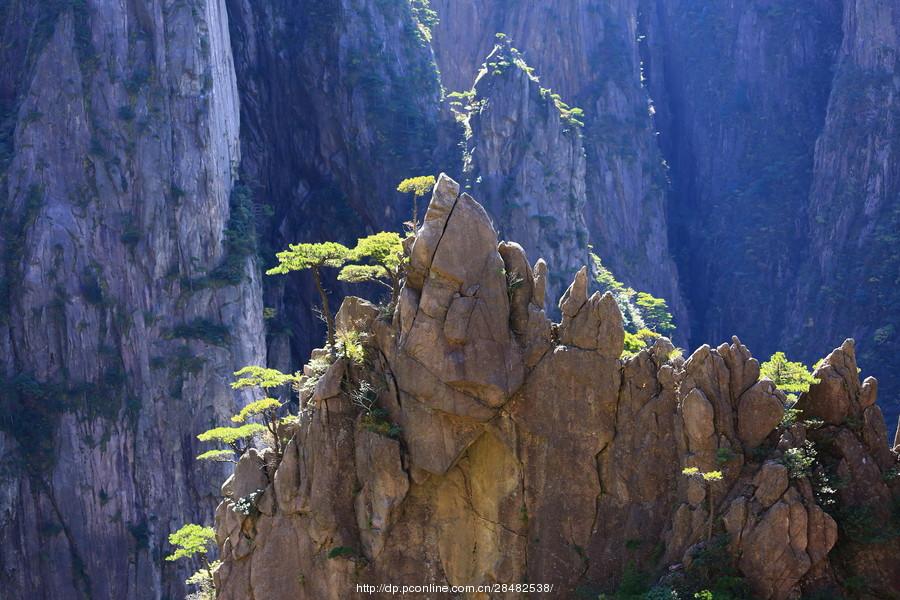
(799,461)
(790,377)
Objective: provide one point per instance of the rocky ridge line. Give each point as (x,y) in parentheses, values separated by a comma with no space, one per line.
(530,451)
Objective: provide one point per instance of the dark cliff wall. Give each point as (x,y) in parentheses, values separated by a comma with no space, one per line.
(778,198)
(741,91)
(123,311)
(339,103)
(588,52)
(848,282)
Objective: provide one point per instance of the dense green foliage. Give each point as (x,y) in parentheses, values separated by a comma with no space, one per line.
(299,257)
(195,542)
(190,541)
(645,316)
(383,258)
(378,258)
(236,437)
(265,409)
(790,377)
(310,256)
(418,187)
(240,238)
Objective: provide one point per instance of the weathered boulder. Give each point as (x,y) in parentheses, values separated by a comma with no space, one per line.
(834,397)
(774,550)
(249,475)
(743,368)
(771,483)
(355,314)
(699,420)
(760,410)
(459,274)
(520,285)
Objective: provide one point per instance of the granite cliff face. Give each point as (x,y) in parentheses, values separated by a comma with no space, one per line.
(774,119)
(525,159)
(512,449)
(339,102)
(851,269)
(151,151)
(126,298)
(588,53)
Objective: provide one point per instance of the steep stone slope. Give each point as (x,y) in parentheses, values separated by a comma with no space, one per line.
(588,52)
(775,120)
(525,160)
(127,297)
(849,282)
(741,91)
(515,450)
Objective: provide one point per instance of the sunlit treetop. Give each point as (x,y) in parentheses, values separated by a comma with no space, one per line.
(260,407)
(707,476)
(191,540)
(384,248)
(790,377)
(263,377)
(231,435)
(417,185)
(362,273)
(305,256)
(217,456)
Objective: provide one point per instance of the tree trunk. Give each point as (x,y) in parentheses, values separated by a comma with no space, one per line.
(326,310)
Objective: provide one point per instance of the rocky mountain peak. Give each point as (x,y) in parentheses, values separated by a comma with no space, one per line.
(503,447)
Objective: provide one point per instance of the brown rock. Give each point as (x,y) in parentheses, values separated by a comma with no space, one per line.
(743,368)
(355,314)
(734,519)
(611,333)
(538,337)
(456,325)
(698,417)
(771,483)
(329,385)
(287,479)
(249,474)
(576,295)
(759,412)
(832,398)
(443,199)
(773,551)
(540,283)
(520,276)
(517,460)
(582,328)
(868,393)
(384,486)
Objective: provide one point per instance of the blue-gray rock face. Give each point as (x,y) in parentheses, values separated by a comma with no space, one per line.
(123,310)
(142,143)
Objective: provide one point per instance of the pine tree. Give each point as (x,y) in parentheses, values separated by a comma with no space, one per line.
(195,541)
(790,377)
(299,257)
(383,256)
(418,187)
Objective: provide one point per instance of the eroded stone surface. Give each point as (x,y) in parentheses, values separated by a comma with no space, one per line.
(510,449)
